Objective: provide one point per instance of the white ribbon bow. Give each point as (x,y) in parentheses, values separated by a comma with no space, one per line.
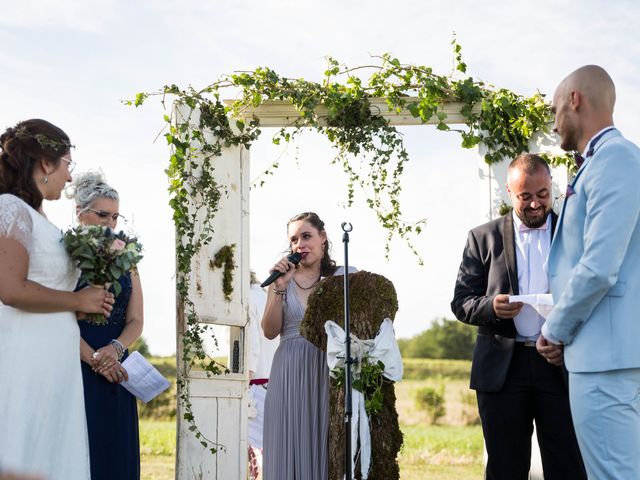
(383,348)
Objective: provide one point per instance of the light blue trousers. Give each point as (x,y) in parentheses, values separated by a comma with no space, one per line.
(605,407)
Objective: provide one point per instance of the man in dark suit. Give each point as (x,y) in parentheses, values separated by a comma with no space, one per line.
(514,384)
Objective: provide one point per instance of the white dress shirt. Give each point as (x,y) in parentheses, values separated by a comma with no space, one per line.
(532,253)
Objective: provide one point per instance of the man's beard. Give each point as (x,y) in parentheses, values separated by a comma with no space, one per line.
(569,145)
(569,139)
(534,222)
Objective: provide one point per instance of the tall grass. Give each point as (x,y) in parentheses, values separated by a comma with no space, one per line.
(427,368)
(449,451)
(157,449)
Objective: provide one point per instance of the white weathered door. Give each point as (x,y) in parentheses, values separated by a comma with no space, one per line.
(219,403)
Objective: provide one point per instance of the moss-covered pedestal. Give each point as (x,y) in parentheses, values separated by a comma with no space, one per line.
(373,298)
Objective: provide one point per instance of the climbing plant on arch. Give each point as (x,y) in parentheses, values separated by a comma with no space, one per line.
(351,107)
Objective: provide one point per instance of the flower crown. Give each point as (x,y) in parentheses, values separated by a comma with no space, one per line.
(44,141)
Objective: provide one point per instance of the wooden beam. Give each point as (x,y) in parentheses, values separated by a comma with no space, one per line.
(274,113)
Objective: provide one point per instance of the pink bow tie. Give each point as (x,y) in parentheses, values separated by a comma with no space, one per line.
(524,228)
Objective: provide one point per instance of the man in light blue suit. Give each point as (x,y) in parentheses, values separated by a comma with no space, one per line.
(594,268)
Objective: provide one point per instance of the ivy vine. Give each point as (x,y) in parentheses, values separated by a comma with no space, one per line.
(369,149)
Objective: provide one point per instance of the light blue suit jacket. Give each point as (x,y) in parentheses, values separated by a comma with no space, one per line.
(594,263)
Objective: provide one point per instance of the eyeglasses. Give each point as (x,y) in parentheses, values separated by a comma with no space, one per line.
(71,164)
(103,214)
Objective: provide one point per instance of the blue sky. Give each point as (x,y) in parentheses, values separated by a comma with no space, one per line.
(72,62)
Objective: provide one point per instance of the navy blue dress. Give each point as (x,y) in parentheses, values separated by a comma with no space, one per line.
(112,413)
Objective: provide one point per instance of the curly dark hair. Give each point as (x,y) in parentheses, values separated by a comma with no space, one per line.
(21,147)
(327,265)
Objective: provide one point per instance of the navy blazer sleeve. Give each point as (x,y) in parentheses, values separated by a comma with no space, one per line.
(471,304)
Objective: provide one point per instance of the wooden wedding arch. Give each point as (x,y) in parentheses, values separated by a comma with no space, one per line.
(219,403)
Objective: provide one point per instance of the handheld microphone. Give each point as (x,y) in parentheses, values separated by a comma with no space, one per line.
(293,258)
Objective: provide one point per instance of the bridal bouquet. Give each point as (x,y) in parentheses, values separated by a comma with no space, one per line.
(102,256)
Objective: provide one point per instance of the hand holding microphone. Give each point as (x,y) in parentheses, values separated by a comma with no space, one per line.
(282,268)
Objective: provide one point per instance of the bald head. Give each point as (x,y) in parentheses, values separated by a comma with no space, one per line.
(583,105)
(595,86)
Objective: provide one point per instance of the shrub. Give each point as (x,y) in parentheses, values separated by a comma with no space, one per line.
(431,400)
(469,411)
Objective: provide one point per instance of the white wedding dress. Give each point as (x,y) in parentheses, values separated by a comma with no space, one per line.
(42,418)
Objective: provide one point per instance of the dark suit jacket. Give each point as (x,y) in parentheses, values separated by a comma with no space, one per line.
(488,268)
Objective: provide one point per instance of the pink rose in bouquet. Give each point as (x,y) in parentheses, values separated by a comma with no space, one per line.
(117,245)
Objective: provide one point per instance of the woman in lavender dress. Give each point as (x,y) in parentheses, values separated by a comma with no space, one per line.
(296,407)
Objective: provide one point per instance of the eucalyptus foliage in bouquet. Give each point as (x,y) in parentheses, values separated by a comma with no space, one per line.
(102,256)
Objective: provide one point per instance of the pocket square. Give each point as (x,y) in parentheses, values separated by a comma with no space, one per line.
(570,191)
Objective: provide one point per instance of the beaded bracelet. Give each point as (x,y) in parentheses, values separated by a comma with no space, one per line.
(279,292)
(119,348)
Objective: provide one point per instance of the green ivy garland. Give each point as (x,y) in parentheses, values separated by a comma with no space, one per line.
(369,149)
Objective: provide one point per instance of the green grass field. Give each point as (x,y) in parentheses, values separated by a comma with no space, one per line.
(439,452)
(449,450)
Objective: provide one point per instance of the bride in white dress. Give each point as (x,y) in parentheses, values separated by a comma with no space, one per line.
(42,417)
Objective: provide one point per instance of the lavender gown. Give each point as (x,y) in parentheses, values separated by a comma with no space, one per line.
(296,420)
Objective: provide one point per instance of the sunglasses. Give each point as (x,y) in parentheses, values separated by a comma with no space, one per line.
(103,214)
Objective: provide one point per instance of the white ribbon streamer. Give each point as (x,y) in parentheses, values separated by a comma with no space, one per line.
(383,348)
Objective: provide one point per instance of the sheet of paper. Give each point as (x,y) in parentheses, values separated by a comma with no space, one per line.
(145,381)
(541,302)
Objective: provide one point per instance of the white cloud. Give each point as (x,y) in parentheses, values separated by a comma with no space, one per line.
(73,15)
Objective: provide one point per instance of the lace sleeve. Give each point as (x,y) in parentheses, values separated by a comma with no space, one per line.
(15,220)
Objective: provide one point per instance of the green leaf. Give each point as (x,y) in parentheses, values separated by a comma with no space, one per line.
(85,265)
(115,272)
(140,98)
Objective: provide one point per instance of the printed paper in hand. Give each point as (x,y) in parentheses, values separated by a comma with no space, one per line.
(541,302)
(145,382)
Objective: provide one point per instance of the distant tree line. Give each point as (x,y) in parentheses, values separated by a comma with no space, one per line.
(141,346)
(445,338)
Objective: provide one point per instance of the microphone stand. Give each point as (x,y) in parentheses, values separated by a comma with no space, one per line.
(348,408)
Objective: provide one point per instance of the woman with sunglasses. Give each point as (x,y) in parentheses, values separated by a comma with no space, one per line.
(42,422)
(112,414)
